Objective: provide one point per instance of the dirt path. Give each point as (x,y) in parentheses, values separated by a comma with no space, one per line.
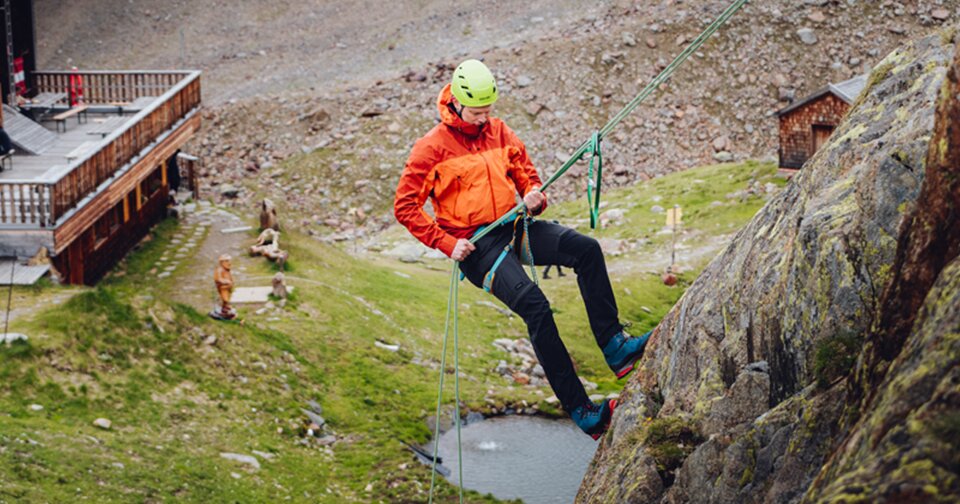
(202,225)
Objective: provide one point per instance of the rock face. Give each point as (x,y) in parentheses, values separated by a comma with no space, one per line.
(775,378)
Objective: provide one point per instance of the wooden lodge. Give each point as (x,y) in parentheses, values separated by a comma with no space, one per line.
(89,173)
(807,124)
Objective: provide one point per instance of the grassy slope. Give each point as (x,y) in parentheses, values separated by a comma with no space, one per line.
(124,352)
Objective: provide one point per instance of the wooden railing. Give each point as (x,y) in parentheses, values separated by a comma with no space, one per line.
(42,202)
(109,87)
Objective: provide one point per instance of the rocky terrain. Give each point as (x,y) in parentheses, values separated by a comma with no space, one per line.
(315,108)
(816,358)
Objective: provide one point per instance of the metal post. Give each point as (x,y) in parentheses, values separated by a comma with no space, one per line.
(673,248)
(8,28)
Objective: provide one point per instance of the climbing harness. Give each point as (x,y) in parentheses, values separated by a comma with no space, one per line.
(525,252)
(519,216)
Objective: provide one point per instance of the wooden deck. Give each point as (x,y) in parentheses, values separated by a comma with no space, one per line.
(34,168)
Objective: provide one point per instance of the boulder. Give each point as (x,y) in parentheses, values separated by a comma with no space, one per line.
(758,360)
(807,36)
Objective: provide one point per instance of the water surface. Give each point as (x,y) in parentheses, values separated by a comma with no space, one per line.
(519,457)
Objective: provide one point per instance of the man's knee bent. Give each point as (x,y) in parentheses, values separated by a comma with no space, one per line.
(583,247)
(532,305)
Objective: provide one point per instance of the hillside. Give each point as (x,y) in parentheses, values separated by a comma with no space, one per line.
(815,358)
(322,120)
(807,354)
(181,389)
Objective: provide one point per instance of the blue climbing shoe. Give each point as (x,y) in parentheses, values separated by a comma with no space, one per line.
(594,418)
(623,351)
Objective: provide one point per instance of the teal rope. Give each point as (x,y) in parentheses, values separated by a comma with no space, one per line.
(443,365)
(526,249)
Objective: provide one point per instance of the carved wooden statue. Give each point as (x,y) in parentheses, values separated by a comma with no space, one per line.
(268,216)
(268,245)
(224,282)
(279,286)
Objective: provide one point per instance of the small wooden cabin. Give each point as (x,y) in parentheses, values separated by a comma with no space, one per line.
(89,176)
(807,124)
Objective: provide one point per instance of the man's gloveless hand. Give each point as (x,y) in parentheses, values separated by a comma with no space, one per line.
(462,249)
(534,200)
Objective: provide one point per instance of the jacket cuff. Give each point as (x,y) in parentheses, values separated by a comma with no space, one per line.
(447,244)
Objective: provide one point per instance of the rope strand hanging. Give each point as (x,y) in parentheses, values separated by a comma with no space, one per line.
(591,148)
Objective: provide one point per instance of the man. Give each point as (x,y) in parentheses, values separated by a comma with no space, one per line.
(473,167)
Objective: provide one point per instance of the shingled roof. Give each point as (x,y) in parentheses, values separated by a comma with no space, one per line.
(847,91)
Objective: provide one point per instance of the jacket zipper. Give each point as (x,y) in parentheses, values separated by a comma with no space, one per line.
(456,199)
(493,198)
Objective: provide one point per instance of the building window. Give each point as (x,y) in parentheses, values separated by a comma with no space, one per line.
(153,183)
(117,216)
(107,224)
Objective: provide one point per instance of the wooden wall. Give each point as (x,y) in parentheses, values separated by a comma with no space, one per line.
(93,240)
(797,141)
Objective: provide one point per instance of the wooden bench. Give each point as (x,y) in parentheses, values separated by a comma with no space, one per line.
(119,105)
(42,104)
(107,126)
(80,111)
(80,150)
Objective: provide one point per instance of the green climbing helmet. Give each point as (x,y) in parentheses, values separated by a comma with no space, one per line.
(473,85)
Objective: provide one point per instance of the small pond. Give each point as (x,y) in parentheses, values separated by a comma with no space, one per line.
(538,460)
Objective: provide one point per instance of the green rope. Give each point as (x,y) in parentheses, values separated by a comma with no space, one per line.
(592,147)
(443,365)
(456,376)
(593,180)
(630,107)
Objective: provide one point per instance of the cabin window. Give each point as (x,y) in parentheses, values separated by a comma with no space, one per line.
(153,183)
(116,216)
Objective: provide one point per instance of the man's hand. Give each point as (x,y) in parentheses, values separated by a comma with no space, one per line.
(462,249)
(534,200)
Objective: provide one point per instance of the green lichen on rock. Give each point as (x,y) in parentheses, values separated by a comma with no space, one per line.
(748,473)
(835,357)
(669,441)
(947,430)
(792,298)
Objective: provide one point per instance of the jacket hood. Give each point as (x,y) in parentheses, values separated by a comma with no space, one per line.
(450,118)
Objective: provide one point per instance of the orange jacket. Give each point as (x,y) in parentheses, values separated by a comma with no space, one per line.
(472,176)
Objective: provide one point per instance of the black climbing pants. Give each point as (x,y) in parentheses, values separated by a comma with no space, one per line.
(551,244)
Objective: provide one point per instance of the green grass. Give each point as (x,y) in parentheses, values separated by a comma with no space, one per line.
(124,351)
(702,193)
